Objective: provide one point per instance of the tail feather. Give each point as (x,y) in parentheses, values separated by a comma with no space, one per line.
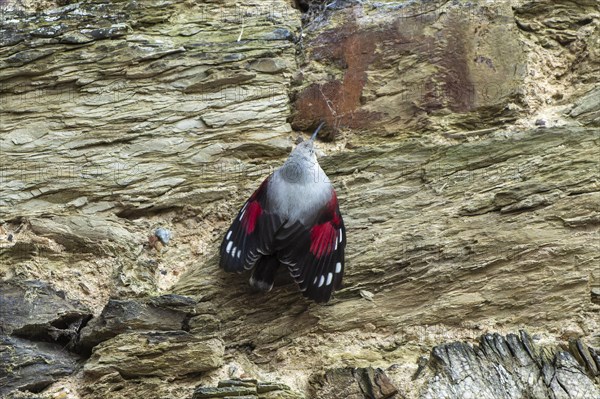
(263,275)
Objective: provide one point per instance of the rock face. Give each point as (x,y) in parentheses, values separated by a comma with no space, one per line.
(462,139)
(525,371)
(158,354)
(246,388)
(587,108)
(354,384)
(421,66)
(33,309)
(119,316)
(32,366)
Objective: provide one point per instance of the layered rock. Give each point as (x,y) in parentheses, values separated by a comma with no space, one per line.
(33,309)
(524,369)
(465,155)
(38,327)
(353,384)
(165,313)
(32,366)
(397,68)
(246,388)
(159,354)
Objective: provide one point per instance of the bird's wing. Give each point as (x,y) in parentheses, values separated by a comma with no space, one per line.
(251,234)
(315,254)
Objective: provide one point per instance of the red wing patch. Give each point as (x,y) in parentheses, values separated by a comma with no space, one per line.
(322,239)
(251,234)
(315,254)
(324,236)
(250,216)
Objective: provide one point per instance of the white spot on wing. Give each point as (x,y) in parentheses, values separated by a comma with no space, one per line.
(229,244)
(315,281)
(338,267)
(321,281)
(233,251)
(341,236)
(242,214)
(239,253)
(228,235)
(329,278)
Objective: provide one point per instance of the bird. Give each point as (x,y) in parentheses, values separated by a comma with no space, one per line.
(292,220)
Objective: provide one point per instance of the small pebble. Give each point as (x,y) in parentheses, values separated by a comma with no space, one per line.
(540,122)
(155,243)
(163,235)
(84,288)
(366,294)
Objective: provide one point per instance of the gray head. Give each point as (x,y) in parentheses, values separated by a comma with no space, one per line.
(305,151)
(302,166)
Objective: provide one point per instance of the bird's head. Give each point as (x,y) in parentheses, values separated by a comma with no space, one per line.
(306,149)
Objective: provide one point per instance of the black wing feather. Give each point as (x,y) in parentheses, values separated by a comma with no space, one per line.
(241,249)
(317,276)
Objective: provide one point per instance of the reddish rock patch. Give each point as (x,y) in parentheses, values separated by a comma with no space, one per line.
(338,101)
(417,72)
(355,50)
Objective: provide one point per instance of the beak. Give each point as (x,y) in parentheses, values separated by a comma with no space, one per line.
(314,135)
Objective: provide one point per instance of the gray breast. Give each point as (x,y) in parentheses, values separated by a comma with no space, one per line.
(298,193)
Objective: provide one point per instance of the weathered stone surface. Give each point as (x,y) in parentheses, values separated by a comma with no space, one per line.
(81,233)
(106,69)
(35,310)
(207,393)
(282,395)
(237,383)
(455,66)
(115,386)
(349,383)
(587,108)
(563,54)
(463,216)
(167,312)
(166,58)
(264,387)
(460,370)
(154,354)
(587,357)
(32,366)
(25,395)
(444,201)
(246,388)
